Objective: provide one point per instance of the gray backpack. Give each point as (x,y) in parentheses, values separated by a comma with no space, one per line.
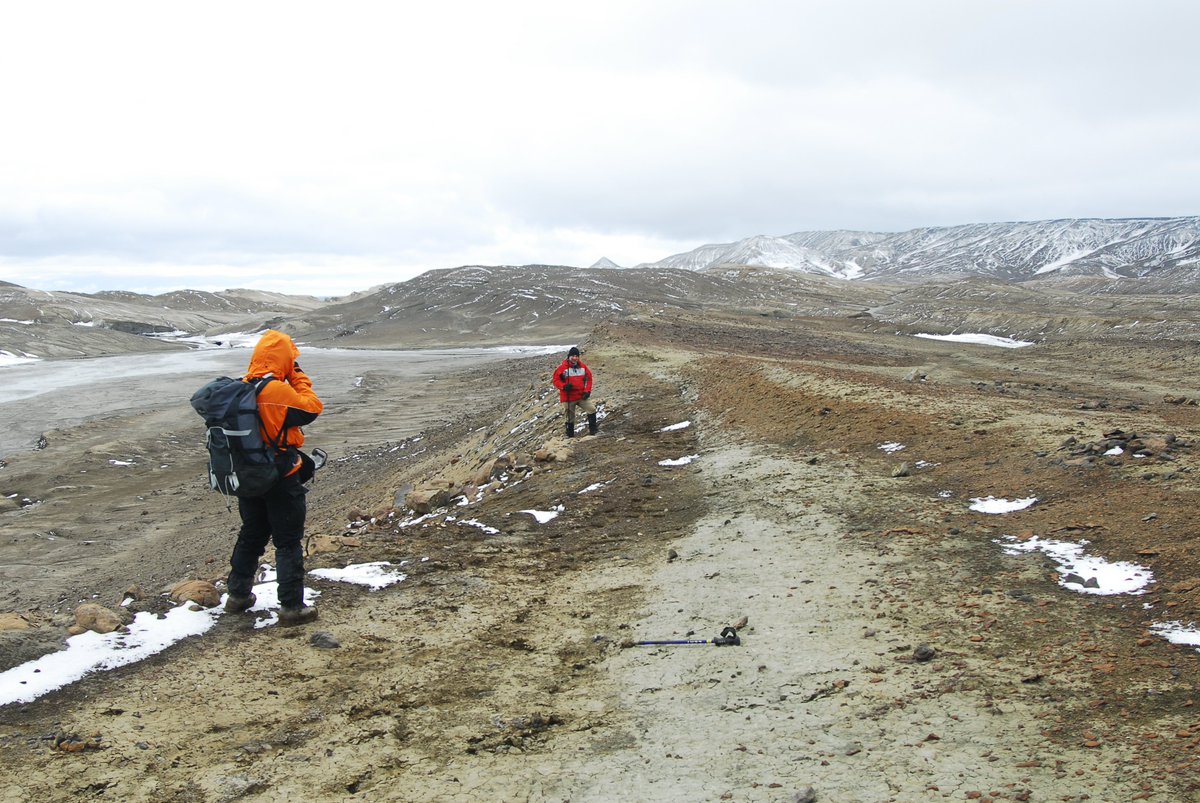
(240,462)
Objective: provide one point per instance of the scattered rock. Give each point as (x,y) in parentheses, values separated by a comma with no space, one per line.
(492,469)
(901,470)
(201,592)
(546,455)
(924,653)
(15,621)
(324,640)
(424,500)
(74,743)
(95,617)
(319,543)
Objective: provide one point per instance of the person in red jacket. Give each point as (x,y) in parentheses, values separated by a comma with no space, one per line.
(574,382)
(278,515)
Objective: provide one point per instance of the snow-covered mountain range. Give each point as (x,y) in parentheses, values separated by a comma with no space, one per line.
(1120,248)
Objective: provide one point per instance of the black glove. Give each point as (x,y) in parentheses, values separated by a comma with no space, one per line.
(296,368)
(307,468)
(567,387)
(585,396)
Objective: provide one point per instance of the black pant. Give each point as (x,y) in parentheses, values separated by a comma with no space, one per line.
(276,515)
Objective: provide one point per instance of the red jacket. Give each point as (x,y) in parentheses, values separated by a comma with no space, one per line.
(578,378)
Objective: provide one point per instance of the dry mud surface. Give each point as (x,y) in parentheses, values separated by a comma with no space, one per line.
(890,651)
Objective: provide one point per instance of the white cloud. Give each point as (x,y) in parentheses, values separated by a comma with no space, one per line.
(371,141)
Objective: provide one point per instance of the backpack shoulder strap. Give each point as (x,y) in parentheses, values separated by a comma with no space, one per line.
(258,384)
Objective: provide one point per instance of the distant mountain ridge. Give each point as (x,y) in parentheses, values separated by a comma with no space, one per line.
(1009,252)
(1028,280)
(43,323)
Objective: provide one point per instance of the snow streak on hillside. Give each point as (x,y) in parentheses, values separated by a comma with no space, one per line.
(1127,248)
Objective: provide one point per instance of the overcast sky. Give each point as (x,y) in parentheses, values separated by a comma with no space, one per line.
(325,148)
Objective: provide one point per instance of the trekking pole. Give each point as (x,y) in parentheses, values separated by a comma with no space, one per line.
(728,638)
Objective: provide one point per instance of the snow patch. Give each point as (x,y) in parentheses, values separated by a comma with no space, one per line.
(1087,574)
(981,340)
(993,505)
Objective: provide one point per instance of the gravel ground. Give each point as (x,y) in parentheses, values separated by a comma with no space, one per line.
(890,649)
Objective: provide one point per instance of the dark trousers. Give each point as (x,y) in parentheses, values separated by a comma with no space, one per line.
(276,515)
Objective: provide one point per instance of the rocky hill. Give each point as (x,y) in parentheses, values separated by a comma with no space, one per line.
(1029,280)
(48,324)
(533,304)
(1010,252)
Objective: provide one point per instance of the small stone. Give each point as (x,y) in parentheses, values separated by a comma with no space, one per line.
(323,639)
(924,653)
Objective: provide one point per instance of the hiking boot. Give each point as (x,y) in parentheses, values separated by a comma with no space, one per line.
(289,617)
(570,429)
(236,603)
(592,425)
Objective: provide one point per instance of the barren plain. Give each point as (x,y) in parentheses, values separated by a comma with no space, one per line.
(890,649)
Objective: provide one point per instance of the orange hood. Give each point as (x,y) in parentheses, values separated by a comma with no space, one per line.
(275,354)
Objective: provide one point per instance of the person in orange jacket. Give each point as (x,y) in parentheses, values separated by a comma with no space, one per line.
(574,382)
(283,407)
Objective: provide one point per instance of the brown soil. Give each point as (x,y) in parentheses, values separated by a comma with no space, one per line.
(891,650)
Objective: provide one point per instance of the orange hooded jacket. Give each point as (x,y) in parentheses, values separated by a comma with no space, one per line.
(289,403)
